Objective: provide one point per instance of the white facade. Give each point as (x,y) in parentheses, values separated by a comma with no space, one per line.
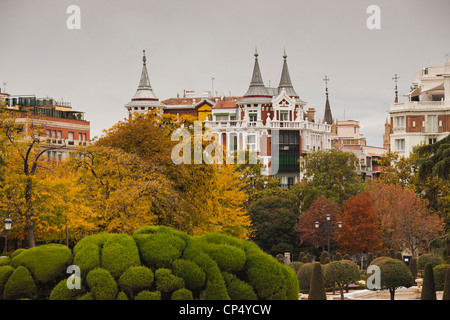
(424,121)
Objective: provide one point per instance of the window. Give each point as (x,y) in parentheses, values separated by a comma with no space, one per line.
(70,138)
(251,142)
(253,115)
(400,144)
(432,123)
(431,140)
(400,121)
(221,117)
(284,116)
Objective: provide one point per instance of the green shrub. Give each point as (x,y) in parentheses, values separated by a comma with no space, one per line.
(238,289)
(87,258)
(304,277)
(4,261)
(228,258)
(20,285)
(342,273)
(432,258)
(86,296)
(101,284)
(62,292)
(291,282)
(166,281)
(45,262)
(221,238)
(182,294)
(17,252)
(323,256)
(264,273)
(215,285)
(413,267)
(446,293)
(317,288)
(428,288)
(5,273)
(193,276)
(95,239)
(148,295)
(439,275)
(296,265)
(121,296)
(119,253)
(136,279)
(159,249)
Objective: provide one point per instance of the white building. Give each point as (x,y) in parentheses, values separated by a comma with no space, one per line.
(272,122)
(425,117)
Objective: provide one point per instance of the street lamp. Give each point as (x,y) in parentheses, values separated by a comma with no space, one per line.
(8,223)
(329,227)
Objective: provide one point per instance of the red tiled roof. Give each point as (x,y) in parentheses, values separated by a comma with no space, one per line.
(225,104)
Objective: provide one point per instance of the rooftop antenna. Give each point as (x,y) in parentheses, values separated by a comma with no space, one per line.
(212,87)
(447,56)
(395,78)
(144,58)
(4,86)
(326,79)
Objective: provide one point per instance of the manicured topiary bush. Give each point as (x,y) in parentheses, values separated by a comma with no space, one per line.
(153,263)
(304,277)
(5,273)
(238,289)
(439,275)
(62,292)
(342,273)
(159,247)
(194,277)
(182,294)
(45,262)
(394,274)
(136,279)
(428,288)
(166,281)
(432,258)
(317,288)
(20,285)
(101,284)
(119,253)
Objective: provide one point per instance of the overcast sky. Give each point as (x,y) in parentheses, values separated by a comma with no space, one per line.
(97,68)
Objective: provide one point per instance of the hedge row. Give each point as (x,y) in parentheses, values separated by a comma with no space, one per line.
(155,262)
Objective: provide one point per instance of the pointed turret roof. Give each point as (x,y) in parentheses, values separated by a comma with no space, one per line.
(144,96)
(285,81)
(257,87)
(328,118)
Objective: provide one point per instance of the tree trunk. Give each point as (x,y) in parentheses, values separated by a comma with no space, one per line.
(392,292)
(29,213)
(341,289)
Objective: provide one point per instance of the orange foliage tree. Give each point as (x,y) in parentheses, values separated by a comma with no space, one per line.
(305,227)
(360,230)
(406,221)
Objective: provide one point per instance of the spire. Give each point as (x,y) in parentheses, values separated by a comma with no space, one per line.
(257,88)
(144,90)
(285,81)
(328,118)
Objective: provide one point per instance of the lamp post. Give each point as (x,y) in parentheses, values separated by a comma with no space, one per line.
(8,223)
(329,227)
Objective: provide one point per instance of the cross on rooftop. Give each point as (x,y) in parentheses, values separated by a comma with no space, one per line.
(326,79)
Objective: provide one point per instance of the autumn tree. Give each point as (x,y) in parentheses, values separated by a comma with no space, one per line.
(405,219)
(305,228)
(360,225)
(210,197)
(25,165)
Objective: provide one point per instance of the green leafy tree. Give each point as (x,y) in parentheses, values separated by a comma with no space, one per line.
(342,273)
(330,173)
(394,274)
(273,219)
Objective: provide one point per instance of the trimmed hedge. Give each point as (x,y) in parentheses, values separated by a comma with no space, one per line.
(101,284)
(439,275)
(155,262)
(136,279)
(432,258)
(119,253)
(45,262)
(20,285)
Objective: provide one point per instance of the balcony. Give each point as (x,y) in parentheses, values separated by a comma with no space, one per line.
(420,106)
(274,124)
